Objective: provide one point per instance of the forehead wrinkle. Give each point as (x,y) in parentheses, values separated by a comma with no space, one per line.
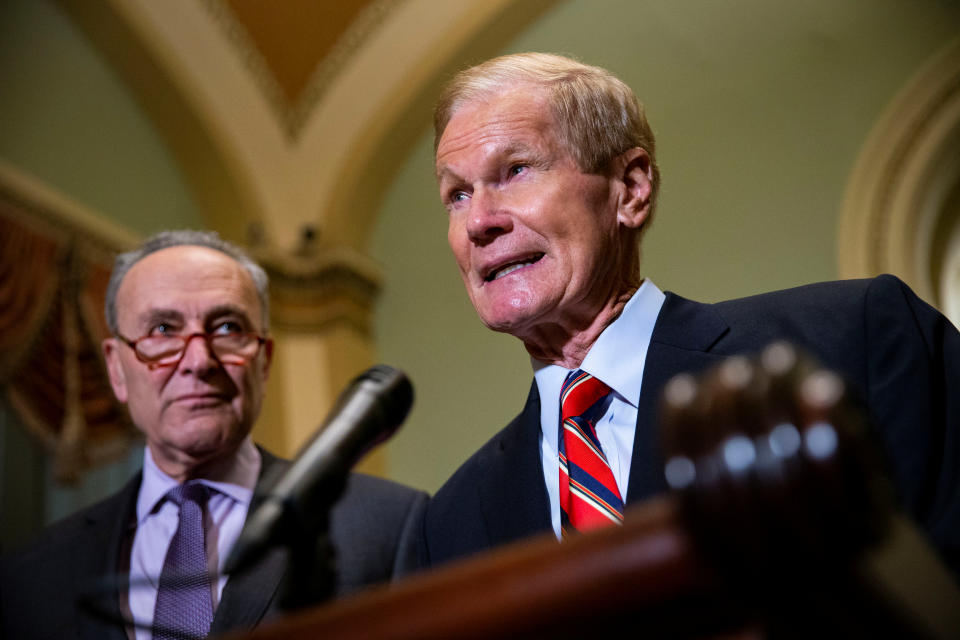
(498,148)
(498,114)
(493,132)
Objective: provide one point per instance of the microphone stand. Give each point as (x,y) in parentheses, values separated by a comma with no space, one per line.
(295,509)
(311,573)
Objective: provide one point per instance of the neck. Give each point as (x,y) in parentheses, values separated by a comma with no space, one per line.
(566,343)
(220,467)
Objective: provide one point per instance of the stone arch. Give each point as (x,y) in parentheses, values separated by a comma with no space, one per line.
(901,210)
(294,182)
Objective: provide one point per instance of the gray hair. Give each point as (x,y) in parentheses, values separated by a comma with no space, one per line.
(598,116)
(184,237)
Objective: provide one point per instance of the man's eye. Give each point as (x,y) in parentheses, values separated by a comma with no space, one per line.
(517,169)
(162,329)
(458,196)
(228,327)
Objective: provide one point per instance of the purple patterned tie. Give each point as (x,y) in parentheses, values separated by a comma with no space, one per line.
(184,609)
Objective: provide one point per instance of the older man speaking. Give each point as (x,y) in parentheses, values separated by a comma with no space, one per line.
(547,168)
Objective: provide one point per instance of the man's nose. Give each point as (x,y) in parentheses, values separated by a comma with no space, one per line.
(197,356)
(489,217)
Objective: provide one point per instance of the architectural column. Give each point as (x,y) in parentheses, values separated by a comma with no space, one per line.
(321,309)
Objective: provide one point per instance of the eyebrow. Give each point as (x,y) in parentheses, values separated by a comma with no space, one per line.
(151,316)
(440,174)
(444,171)
(227,310)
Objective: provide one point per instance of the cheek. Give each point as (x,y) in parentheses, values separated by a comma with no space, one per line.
(249,385)
(455,239)
(143,385)
(145,408)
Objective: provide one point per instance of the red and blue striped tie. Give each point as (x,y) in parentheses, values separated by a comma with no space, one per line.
(589,497)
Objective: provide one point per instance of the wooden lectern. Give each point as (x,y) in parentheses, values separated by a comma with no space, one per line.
(776,528)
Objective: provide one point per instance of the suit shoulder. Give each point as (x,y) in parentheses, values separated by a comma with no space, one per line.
(808,296)
(373,528)
(361,486)
(368,501)
(830,320)
(54,535)
(38,582)
(854,303)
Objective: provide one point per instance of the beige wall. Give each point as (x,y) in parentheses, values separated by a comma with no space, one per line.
(68,119)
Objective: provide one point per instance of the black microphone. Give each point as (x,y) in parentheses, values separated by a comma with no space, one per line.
(368,412)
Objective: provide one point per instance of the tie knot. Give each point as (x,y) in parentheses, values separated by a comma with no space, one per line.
(580,392)
(195,492)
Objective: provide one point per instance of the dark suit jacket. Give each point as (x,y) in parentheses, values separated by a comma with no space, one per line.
(372,527)
(900,353)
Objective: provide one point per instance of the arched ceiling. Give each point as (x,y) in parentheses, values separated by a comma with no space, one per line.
(288,120)
(293,114)
(900,212)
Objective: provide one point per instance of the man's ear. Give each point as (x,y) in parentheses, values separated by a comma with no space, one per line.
(635,174)
(118,379)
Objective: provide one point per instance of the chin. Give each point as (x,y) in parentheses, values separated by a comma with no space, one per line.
(205,434)
(501,327)
(512,323)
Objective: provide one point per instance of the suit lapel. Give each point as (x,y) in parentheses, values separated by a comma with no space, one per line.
(98,564)
(249,595)
(682,340)
(246,597)
(513,498)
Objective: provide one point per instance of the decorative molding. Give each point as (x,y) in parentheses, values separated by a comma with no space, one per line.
(361,113)
(51,207)
(896,201)
(364,109)
(315,287)
(346,47)
(294,116)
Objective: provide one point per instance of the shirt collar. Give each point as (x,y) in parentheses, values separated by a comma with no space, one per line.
(236,482)
(617,357)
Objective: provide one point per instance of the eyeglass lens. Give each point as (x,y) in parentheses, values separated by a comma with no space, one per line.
(228,348)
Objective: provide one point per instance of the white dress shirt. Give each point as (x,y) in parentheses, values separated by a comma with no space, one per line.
(617,358)
(157,521)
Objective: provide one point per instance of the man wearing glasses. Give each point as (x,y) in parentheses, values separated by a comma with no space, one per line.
(189,356)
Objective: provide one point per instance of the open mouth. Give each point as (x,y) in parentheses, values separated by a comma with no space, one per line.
(509,267)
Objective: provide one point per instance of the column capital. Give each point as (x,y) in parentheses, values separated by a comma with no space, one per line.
(315,287)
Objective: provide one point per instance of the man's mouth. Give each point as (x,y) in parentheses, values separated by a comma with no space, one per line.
(201,399)
(509,267)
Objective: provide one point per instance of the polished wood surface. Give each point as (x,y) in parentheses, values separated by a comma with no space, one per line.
(647,567)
